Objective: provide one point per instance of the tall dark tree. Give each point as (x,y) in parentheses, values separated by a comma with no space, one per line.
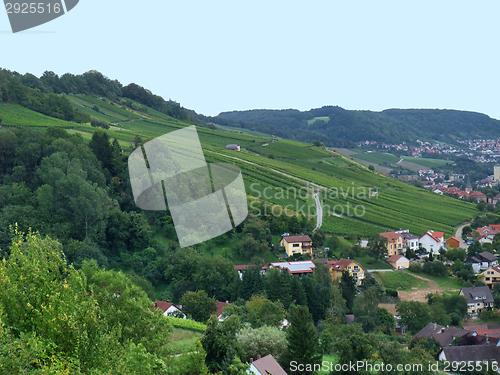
(102,149)
(220,344)
(348,289)
(303,344)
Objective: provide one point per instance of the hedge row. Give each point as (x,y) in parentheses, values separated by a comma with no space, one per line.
(187,324)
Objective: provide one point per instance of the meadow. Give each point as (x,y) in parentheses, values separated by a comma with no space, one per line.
(285,165)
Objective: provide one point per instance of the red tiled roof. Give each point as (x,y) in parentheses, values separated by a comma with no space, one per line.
(391,236)
(293,239)
(242,267)
(395,258)
(434,235)
(220,307)
(164,306)
(453,238)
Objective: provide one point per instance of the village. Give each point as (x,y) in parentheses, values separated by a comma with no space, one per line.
(474,341)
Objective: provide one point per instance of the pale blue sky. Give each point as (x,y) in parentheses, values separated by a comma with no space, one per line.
(214,56)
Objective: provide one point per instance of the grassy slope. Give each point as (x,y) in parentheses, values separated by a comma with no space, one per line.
(399,280)
(347,184)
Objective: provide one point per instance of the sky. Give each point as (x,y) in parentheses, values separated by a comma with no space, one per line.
(215,56)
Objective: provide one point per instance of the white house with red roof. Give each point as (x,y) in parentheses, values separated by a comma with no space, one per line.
(432,241)
(487,233)
(169,309)
(220,309)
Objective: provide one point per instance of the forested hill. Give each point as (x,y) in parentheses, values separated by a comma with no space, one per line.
(336,126)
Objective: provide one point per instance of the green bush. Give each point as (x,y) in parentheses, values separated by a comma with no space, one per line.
(187,324)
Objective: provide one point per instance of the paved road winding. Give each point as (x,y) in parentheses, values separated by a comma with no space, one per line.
(319,212)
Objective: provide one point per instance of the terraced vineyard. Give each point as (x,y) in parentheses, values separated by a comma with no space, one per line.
(356,201)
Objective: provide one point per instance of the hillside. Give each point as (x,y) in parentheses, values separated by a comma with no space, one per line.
(275,173)
(339,127)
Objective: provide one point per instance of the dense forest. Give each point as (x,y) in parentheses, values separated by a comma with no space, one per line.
(340,127)
(41,94)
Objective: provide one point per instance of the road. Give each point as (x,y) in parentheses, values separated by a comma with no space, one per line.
(458,234)
(319,212)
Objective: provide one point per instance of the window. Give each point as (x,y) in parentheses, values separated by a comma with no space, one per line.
(296,245)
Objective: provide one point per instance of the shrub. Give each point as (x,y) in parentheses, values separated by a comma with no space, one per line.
(99,123)
(415,267)
(187,324)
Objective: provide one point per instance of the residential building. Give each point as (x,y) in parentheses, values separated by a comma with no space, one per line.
(296,245)
(394,242)
(265,366)
(355,269)
(169,309)
(443,335)
(487,233)
(220,309)
(399,262)
(432,241)
(491,276)
(452,243)
(409,240)
(478,196)
(478,298)
(482,261)
(296,268)
(473,354)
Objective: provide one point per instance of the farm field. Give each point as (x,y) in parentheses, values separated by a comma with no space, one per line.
(426,162)
(399,280)
(284,173)
(183,339)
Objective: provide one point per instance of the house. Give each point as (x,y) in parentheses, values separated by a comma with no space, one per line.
(473,354)
(355,269)
(482,261)
(432,241)
(478,298)
(296,245)
(452,243)
(296,268)
(265,366)
(487,233)
(242,267)
(491,276)
(169,309)
(443,335)
(428,331)
(394,242)
(409,240)
(399,262)
(491,330)
(220,309)
(478,196)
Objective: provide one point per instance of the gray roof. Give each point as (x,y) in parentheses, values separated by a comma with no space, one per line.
(472,353)
(488,256)
(295,267)
(483,292)
(447,336)
(409,236)
(429,330)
